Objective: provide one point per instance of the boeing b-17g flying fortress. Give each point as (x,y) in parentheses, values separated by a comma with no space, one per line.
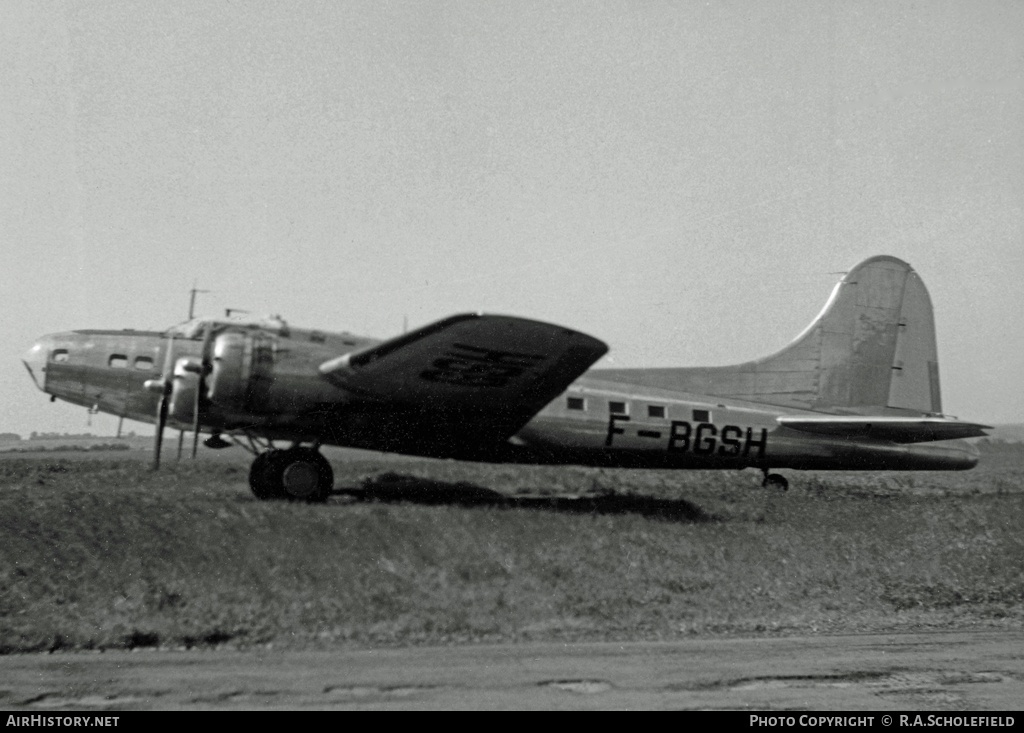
(857,390)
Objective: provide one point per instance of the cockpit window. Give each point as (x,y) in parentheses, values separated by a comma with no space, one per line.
(59,355)
(143,362)
(195,329)
(118,361)
(190,329)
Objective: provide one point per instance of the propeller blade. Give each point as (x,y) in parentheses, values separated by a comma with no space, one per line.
(205,369)
(161,421)
(161,408)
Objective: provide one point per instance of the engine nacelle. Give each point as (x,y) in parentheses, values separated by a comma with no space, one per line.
(226,385)
(242,372)
(250,376)
(181,406)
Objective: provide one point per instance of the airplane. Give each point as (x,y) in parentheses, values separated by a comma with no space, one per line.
(857,390)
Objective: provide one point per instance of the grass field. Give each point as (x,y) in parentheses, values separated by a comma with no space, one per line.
(98,552)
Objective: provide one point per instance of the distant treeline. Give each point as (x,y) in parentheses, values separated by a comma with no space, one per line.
(71,448)
(52,436)
(14,437)
(66,436)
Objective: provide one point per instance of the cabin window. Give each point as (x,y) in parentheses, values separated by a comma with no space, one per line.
(701,416)
(118,361)
(143,362)
(655,411)
(59,355)
(617,408)
(576,403)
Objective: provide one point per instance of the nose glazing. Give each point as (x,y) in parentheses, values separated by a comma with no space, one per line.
(35,360)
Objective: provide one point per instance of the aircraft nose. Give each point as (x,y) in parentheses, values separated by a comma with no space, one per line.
(35,360)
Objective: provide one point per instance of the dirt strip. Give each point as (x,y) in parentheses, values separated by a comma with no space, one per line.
(964,671)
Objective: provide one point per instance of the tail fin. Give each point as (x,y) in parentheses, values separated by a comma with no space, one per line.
(872,348)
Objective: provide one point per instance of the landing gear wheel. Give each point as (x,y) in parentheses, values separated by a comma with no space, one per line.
(261,476)
(775,481)
(305,475)
(298,474)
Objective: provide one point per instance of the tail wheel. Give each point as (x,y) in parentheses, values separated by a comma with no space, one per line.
(299,474)
(775,481)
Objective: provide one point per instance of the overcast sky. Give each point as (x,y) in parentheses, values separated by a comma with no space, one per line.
(684,180)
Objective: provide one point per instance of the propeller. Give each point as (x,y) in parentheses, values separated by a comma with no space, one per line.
(163,386)
(205,367)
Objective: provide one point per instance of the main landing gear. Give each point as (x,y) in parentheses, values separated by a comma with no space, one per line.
(774,481)
(297,474)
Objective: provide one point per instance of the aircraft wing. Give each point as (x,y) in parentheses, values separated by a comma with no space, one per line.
(896,429)
(498,371)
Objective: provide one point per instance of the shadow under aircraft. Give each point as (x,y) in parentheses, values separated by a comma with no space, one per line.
(394,488)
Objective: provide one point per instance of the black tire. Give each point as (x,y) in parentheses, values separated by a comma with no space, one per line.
(262,476)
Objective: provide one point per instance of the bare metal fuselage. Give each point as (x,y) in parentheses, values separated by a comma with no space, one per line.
(594,422)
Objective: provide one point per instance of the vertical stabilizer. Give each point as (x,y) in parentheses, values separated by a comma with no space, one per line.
(871,348)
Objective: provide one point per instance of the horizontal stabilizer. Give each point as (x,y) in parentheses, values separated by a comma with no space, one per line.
(495,371)
(896,429)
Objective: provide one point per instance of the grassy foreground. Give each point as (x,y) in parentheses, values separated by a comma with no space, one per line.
(101,553)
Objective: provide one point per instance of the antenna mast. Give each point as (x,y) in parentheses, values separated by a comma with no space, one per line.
(192,300)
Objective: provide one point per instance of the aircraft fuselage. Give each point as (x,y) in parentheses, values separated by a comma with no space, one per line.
(275,391)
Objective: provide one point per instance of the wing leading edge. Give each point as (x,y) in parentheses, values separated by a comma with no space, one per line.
(895,429)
